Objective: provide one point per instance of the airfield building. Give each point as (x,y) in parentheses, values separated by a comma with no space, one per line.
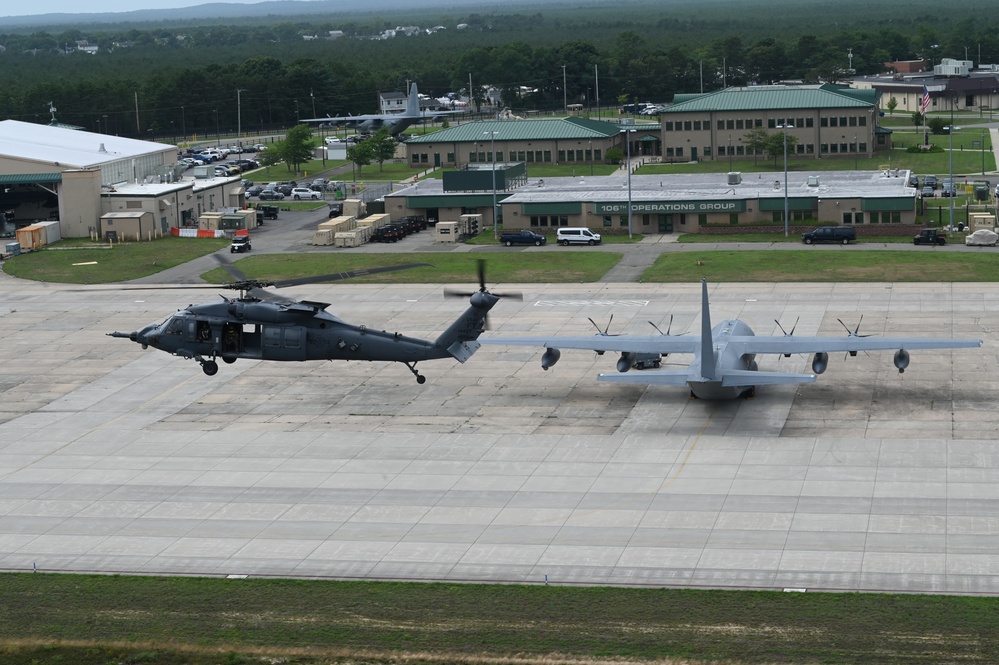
(51,172)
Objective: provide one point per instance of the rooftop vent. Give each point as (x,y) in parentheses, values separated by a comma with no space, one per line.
(735,178)
(813,181)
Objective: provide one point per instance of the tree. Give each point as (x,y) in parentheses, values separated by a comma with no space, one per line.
(382,147)
(775,145)
(297,147)
(614,155)
(937,125)
(917,118)
(360,154)
(891,106)
(755,141)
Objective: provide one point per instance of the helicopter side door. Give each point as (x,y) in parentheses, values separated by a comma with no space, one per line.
(283,342)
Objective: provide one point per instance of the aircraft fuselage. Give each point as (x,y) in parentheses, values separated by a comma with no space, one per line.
(724,357)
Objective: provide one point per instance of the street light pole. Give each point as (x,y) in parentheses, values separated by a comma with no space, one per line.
(492,149)
(627,136)
(856,152)
(239,115)
(953,189)
(591,158)
(983,152)
(787,214)
(565,98)
(730,153)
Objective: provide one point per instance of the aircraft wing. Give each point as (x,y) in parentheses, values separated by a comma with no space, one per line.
(348,118)
(785,344)
(622,343)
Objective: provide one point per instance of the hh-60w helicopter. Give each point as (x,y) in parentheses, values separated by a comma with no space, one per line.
(261,325)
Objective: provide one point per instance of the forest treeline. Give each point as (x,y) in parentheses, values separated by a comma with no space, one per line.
(183,79)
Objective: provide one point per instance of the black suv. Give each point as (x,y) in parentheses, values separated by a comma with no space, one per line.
(841,234)
(388,233)
(240,244)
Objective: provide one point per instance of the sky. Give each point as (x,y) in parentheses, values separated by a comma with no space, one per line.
(98,6)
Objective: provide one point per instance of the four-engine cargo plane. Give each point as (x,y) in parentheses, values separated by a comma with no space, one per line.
(395,122)
(724,365)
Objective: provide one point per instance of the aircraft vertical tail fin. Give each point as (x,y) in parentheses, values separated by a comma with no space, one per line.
(460,339)
(413,103)
(708,366)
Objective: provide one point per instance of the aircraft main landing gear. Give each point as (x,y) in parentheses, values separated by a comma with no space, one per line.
(420,379)
(210,367)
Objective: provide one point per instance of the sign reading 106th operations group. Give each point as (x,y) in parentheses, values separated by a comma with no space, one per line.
(664,207)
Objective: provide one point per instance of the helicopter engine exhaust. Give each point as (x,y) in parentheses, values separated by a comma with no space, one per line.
(820,362)
(901,360)
(549,358)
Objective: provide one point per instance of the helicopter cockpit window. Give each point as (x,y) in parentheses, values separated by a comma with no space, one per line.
(175,326)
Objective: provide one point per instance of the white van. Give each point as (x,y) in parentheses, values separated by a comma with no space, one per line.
(570,235)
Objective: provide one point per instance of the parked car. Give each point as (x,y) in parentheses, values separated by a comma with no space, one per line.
(981,238)
(948,189)
(240,244)
(840,234)
(913,180)
(254,191)
(270,195)
(305,193)
(930,237)
(930,181)
(576,236)
(927,192)
(286,187)
(269,212)
(389,233)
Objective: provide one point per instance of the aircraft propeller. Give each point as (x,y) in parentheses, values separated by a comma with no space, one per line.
(789,334)
(853,333)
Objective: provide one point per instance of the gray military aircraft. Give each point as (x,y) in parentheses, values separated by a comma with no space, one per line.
(394,122)
(260,325)
(724,365)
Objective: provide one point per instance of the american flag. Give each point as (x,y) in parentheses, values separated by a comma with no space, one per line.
(924,103)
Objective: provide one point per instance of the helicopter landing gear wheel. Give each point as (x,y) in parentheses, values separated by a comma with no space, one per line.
(420,379)
(210,367)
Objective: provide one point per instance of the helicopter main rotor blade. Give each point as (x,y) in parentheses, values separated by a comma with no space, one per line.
(234,272)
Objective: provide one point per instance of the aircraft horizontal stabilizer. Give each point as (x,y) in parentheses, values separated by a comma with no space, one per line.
(734,378)
(462,351)
(665,378)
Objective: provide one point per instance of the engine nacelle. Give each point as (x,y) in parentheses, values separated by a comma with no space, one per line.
(901,360)
(820,362)
(625,362)
(549,358)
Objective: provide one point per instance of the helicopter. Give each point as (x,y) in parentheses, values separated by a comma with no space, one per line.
(260,325)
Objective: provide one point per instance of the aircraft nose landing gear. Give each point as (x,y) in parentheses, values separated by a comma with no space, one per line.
(420,379)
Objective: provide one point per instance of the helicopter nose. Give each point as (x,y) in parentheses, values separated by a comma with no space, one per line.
(145,336)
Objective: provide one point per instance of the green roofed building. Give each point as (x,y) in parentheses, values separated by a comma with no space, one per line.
(827,121)
(558,141)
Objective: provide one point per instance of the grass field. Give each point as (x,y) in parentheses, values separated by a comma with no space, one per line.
(85,262)
(132,260)
(513,267)
(825,266)
(100,620)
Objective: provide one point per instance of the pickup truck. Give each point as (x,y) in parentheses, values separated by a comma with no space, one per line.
(930,237)
(523,237)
